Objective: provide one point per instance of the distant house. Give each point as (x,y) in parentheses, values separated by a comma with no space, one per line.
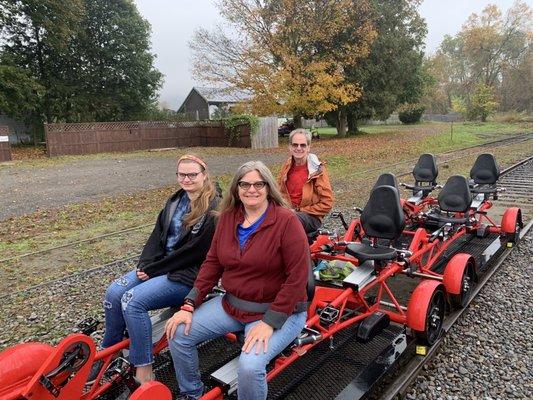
(205,103)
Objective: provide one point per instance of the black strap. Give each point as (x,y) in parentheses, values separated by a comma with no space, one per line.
(256,307)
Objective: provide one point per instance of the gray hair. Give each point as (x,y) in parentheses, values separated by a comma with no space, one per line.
(231,198)
(301,131)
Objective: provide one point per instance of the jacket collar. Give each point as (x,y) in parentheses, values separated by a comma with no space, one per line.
(270,217)
(314,165)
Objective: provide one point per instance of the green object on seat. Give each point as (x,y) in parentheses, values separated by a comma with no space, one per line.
(336,270)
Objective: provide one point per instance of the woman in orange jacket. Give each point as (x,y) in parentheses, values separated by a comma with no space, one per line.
(304,182)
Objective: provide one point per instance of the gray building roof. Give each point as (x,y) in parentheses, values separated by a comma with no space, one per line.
(220,95)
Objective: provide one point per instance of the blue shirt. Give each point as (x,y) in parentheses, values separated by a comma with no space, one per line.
(175,230)
(244,233)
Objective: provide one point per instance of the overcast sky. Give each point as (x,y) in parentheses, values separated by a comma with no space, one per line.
(174,21)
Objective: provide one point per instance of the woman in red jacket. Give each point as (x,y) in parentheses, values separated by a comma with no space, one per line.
(167,267)
(261,255)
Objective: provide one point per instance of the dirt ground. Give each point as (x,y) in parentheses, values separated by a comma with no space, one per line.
(27,189)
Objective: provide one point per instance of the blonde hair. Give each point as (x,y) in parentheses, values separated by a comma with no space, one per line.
(200,204)
(231,198)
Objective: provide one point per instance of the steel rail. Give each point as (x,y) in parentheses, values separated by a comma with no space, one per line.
(508,141)
(409,373)
(76,242)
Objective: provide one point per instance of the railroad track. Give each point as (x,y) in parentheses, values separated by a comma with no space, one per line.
(444,158)
(309,392)
(327,372)
(517,179)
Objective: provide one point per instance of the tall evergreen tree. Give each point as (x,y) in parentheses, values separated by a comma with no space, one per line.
(90,59)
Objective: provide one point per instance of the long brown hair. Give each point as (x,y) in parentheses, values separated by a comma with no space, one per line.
(231,199)
(200,204)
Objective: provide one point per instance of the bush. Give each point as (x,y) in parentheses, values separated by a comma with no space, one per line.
(512,117)
(232,123)
(410,113)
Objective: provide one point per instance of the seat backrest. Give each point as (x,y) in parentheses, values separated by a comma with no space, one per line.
(485,170)
(383,216)
(426,169)
(455,196)
(387,179)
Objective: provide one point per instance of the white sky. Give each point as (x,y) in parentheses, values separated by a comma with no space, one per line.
(174,21)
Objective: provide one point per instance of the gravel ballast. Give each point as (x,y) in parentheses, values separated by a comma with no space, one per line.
(488,353)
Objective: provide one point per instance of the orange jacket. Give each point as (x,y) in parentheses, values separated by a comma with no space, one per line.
(317,195)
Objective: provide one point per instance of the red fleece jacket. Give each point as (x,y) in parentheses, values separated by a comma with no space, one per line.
(271,268)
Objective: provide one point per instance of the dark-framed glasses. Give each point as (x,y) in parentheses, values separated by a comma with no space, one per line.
(247,185)
(191,175)
(296,145)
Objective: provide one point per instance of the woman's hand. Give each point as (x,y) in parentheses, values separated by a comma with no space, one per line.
(181,317)
(259,334)
(142,275)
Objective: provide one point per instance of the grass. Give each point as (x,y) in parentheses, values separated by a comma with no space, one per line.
(353,164)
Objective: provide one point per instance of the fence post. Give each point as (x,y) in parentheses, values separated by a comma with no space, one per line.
(5,147)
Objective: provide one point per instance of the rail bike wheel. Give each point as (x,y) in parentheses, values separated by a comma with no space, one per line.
(434,319)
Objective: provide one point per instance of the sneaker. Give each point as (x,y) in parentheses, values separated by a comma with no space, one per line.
(95,370)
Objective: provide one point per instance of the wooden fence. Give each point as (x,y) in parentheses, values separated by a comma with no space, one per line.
(266,136)
(5,148)
(99,137)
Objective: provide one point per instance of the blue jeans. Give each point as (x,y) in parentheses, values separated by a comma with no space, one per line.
(210,321)
(127,302)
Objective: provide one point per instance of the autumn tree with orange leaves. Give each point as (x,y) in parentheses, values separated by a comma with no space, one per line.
(290,55)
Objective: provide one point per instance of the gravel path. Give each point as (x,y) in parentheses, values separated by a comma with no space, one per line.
(488,353)
(26,189)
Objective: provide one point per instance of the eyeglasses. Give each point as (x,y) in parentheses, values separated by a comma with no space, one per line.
(191,175)
(247,185)
(296,145)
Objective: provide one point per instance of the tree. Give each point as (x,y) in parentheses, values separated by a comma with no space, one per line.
(291,55)
(489,49)
(90,57)
(20,95)
(115,79)
(482,102)
(516,92)
(34,34)
(491,42)
(392,74)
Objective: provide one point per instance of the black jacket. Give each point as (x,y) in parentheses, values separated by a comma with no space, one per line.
(183,263)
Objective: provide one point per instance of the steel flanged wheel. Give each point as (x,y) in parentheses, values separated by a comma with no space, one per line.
(468,281)
(434,318)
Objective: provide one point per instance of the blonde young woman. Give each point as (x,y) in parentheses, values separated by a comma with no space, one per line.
(261,255)
(168,265)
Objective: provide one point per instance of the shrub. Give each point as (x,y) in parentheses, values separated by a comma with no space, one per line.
(232,123)
(410,113)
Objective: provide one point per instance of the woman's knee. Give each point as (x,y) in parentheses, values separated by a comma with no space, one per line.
(251,364)
(116,290)
(181,340)
(132,304)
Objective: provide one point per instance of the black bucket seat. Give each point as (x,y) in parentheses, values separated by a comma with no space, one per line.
(455,197)
(484,174)
(382,218)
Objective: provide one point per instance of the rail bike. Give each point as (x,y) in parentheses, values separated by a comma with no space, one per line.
(435,227)
(39,371)
(382,247)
